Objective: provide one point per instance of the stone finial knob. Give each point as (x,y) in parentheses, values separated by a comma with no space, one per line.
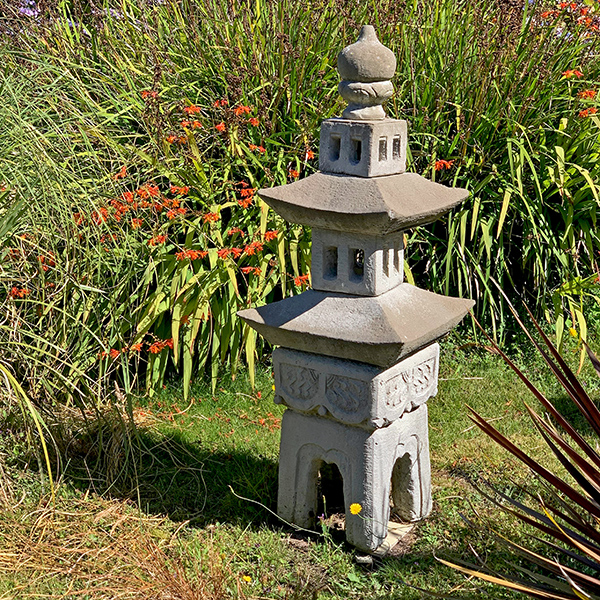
(366,68)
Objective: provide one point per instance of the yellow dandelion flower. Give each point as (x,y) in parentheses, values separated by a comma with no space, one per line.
(247,578)
(355,508)
(573,331)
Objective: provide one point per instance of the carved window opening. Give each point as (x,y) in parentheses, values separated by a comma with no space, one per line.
(330,262)
(357,264)
(356,151)
(396,148)
(382,149)
(334,147)
(330,491)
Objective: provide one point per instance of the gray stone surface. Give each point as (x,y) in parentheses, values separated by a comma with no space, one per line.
(357,361)
(393,459)
(354,393)
(367,59)
(376,206)
(365,68)
(378,330)
(363,148)
(351,263)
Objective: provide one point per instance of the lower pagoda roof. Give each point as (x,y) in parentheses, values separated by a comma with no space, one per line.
(375,205)
(379,330)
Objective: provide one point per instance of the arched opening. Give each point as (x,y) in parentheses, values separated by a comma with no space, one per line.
(330,495)
(402,493)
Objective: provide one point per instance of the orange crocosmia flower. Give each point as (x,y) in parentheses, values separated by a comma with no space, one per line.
(189,253)
(171,214)
(300,280)
(588,111)
(114,353)
(157,240)
(136,223)
(443,164)
(252,248)
(180,190)
(223,253)
(197,125)
(242,110)
(253,121)
(121,174)
(136,347)
(271,235)
(257,148)
(293,173)
(192,110)
(253,270)
(149,94)
(185,123)
(172,139)
(247,192)
(220,126)
(236,252)
(202,253)
(310,155)
(211,217)
(128,197)
(153,190)
(245,202)
(235,230)
(587,94)
(572,73)
(16,292)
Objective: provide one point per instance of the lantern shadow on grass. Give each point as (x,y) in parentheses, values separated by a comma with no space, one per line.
(165,474)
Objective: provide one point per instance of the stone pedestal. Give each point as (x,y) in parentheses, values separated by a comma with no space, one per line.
(372,464)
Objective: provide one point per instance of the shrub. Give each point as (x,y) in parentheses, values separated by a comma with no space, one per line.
(219,99)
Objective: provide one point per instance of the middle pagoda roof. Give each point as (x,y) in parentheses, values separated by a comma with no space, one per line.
(375,205)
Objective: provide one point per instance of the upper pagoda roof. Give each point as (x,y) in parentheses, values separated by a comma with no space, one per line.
(377,205)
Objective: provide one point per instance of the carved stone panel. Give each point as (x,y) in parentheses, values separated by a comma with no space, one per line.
(354,393)
(300,385)
(346,395)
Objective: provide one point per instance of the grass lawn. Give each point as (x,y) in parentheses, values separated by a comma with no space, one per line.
(191,517)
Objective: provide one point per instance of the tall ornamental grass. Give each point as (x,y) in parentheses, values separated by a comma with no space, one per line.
(135,135)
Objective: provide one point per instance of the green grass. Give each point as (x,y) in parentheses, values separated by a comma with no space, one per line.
(204,485)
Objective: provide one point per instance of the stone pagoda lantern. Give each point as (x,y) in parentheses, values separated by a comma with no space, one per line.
(357,360)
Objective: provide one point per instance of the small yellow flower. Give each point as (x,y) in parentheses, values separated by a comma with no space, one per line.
(355,508)
(247,578)
(573,331)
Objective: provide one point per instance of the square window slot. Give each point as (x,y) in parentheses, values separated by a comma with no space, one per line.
(356,151)
(334,147)
(382,149)
(330,262)
(396,148)
(357,264)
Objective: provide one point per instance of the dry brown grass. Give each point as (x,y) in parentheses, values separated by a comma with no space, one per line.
(98,549)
